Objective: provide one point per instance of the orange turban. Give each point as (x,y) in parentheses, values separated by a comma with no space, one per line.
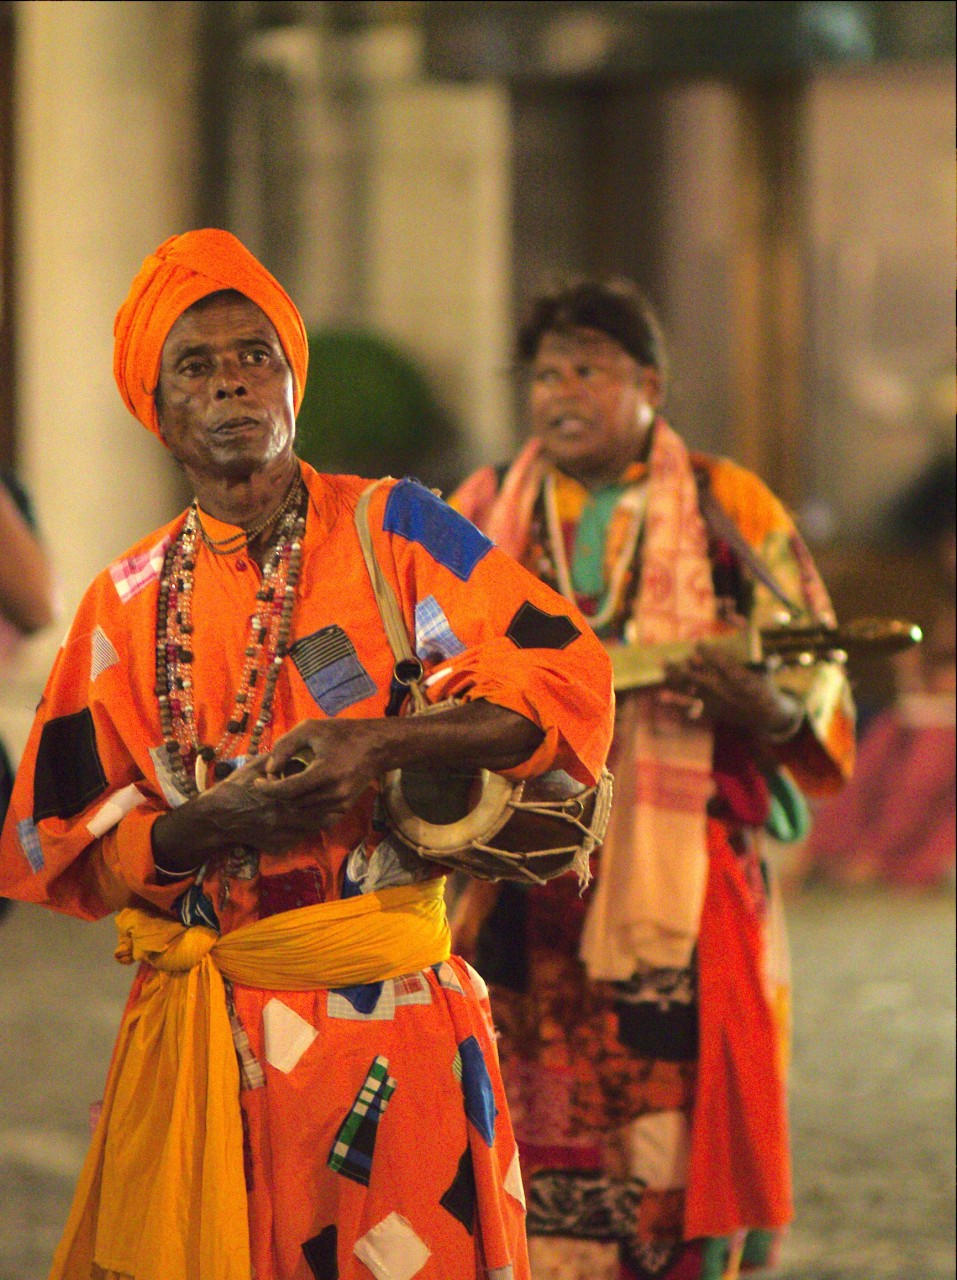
(182,270)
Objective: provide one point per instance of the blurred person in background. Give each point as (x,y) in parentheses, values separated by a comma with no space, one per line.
(643,1026)
(27,597)
(895,822)
(305,1082)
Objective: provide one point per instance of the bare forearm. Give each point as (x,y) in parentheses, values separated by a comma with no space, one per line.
(27,597)
(478,733)
(184,838)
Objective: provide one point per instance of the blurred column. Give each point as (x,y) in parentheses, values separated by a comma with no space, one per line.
(105,151)
(438,245)
(767,300)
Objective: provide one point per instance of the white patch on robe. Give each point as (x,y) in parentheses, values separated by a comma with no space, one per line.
(102,653)
(513,1181)
(287,1035)
(392,1250)
(117,807)
(659,1145)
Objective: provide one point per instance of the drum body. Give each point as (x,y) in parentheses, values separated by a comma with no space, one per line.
(484,824)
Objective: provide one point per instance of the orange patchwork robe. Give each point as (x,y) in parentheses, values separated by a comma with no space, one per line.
(377,1139)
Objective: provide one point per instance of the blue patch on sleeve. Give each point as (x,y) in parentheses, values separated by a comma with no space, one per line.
(415,513)
(477,1087)
(29,841)
(434,637)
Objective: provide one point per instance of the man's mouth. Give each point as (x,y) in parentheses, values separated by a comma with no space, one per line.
(235,424)
(569,426)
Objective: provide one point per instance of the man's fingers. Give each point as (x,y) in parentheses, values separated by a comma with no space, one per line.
(302,783)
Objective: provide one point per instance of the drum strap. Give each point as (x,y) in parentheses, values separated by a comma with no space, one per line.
(407,672)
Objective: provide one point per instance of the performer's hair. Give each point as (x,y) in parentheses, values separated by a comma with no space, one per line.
(616,307)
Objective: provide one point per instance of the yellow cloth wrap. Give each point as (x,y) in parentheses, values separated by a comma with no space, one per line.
(162,1193)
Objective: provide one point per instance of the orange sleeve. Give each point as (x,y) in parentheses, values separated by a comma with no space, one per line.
(77,832)
(821,756)
(486,628)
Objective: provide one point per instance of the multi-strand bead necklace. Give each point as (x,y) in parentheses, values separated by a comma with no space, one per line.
(191,761)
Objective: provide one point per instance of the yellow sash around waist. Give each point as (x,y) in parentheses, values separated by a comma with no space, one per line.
(162,1192)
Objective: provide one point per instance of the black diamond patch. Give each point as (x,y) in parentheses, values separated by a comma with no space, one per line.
(68,770)
(320,1253)
(460,1197)
(531,628)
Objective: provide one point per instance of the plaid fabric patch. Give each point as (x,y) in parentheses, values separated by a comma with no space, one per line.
(447,977)
(328,664)
(368,1002)
(434,637)
(351,1153)
(251,1074)
(411,988)
(29,839)
(378,1001)
(133,573)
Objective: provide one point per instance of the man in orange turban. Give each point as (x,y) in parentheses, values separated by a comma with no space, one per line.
(183,270)
(305,1083)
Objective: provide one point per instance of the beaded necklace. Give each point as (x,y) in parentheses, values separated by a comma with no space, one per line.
(191,761)
(242,539)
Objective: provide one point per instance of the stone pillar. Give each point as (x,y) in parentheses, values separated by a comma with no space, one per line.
(438,246)
(104,153)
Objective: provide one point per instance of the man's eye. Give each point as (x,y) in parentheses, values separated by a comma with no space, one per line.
(257,356)
(545,376)
(192,368)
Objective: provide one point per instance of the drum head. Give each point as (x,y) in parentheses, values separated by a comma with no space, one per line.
(445,811)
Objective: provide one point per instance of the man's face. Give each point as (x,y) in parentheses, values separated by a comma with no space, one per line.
(225,396)
(590,400)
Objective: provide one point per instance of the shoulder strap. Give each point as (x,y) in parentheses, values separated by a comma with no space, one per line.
(408,669)
(722,526)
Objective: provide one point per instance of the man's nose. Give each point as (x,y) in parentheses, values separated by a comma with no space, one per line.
(569,383)
(230,380)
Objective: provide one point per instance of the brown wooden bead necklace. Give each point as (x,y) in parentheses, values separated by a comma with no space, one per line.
(192,762)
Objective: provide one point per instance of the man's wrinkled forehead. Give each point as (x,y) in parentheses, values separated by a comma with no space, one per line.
(242,322)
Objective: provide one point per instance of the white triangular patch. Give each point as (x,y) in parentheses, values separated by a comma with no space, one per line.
(478,982)
(447,978)
(392,1250)
(513,1181)
(287,1035)
(102,653)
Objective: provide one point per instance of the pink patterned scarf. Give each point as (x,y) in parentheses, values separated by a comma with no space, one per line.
(646,906)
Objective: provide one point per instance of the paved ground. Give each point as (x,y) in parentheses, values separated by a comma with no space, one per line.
(873,1096)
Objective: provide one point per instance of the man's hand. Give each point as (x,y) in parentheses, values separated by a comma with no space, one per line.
(731,693)
(247,808)
(259,808)
(337,760)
